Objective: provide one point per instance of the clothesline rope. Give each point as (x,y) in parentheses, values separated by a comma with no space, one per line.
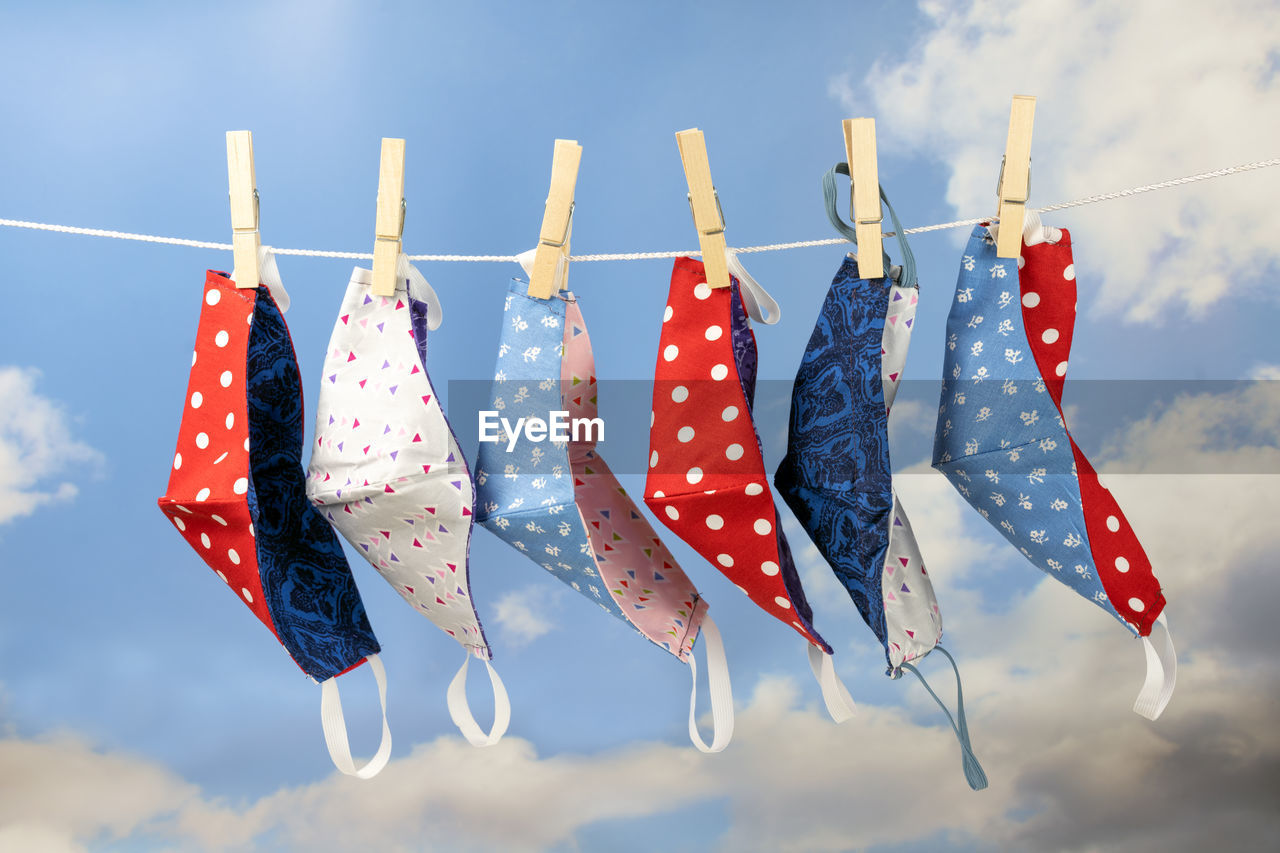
(640,256)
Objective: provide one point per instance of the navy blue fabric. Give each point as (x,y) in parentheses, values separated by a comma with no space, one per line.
(308,586)
(835,476)
(746,359)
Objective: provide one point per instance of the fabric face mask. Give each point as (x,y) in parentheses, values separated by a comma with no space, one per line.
(706,479)
(388,473)
(836,476)
(558,502)
(1003,443)
(236,494)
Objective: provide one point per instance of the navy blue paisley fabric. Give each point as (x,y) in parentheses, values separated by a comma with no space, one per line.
(835,476)
(746,360)
(309,589)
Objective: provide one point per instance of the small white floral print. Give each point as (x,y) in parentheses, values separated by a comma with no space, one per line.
(964,294)
(546,384)
(969,262)
(1058,504)
(1005,327)
(1009,527)
(971,447)
(518,323)
(551,322)
(1038,536)
(958,399)
(1008,387)
(975,321)
(1024,501)
(553,550)
(983,414)
(538,482)
(1005,298)
(998,271)
(992,476)
(565,528)
(997,498)
(1013,356)
(1055,565)
(1015,454)
(1083,572)
(976,349)
(534,527)
(1029,418)
(1047,444)
(951,341)
(531,354)
(1073,540)
(1036,475)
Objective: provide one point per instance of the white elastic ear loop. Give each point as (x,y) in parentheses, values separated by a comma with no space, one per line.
(760,305)
(460,709)
(420,290)
(840,704)
(269,275)
(335,727)
(1162,674)
(721,692)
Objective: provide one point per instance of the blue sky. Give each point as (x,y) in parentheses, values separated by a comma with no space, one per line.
(121,659)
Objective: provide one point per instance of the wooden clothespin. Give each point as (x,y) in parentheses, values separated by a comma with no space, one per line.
(864,177)
(389,228)
(557,220)
(704,201)
(245,239)
(1014,186)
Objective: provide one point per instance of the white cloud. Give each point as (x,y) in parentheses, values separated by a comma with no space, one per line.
(36,446)
(1049,680)
(1265,371)
(522,613)
(1129,94)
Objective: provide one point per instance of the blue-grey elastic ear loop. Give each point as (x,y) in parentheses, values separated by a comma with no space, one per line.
(908,276)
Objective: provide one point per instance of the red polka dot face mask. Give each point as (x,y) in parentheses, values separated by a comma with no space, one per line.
(1003,443)
(236,495)
(706,478)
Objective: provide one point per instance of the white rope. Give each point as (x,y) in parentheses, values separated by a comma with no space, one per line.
(642,256)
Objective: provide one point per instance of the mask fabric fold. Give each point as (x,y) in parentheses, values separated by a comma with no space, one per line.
(387,470)
(1003,443)
(236,492)
(706,479)
(837,474)
(554,499)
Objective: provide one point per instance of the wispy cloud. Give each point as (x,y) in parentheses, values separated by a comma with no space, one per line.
(525,614)
(1130,93)
(36,447)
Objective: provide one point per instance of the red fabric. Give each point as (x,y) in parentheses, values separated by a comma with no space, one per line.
(706,478)
(206,499)
(1048,289)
